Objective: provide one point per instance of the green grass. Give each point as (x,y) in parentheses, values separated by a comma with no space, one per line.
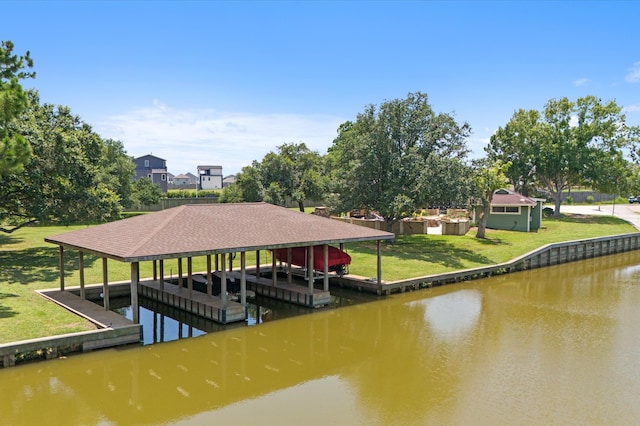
(419,255)
(27,263)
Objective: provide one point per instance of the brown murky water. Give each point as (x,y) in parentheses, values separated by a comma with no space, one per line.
(558,345)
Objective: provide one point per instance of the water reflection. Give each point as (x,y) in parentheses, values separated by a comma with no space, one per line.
(551,346)
(162,323)
(452,315)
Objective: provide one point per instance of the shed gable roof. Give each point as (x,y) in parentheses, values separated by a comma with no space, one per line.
(504,197)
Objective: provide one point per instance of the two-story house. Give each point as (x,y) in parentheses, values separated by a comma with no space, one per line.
(210,177)
(154,168)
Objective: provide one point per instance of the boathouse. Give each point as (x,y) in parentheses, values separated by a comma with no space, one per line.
(218,230)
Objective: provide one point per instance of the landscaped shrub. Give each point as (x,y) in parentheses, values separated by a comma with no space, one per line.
(590,199)
(569,200)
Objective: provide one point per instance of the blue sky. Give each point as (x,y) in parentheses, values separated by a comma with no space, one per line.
(208,82)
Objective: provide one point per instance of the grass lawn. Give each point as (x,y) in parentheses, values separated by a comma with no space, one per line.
(27,263)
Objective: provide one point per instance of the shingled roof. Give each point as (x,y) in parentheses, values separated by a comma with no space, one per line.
(504,197)
(196,230)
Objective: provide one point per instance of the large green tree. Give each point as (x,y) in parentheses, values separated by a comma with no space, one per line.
(73,176)
(516,142)
(14,148)
(292,173)
(398,157)
(568,143)
(249,183)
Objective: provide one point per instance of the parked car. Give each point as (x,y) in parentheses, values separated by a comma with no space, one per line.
(633,199)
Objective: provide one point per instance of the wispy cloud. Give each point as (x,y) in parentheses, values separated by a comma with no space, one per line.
(632,108)
(633,76)
(186,138)
(581,82)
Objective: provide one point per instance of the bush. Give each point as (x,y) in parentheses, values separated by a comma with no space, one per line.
(590,199)
(569,200)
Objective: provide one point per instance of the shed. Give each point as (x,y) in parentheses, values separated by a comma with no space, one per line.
(513,211)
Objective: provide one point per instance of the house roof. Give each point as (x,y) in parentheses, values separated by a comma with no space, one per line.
(149,156)
(182,176)
(196,230)
(504,197)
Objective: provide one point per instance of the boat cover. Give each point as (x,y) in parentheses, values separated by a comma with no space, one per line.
(337,257)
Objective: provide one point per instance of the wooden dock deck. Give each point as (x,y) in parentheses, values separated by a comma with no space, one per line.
(195,302)
(111,330)
(292,293)
(90,311)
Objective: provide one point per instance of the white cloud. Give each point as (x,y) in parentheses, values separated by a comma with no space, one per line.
(581,82)
(634,73)
(187,138)
(632,108)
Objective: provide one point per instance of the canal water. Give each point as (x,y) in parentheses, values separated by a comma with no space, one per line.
(557,345)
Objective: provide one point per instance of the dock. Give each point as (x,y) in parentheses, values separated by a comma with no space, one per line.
(195,302)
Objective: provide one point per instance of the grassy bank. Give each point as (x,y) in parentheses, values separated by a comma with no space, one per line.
(27,263)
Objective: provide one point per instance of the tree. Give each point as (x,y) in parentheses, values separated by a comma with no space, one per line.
(393,159)
(567,144)
(517,142)
(292,173)
(14,148)
(249,183)
(487,179)
(145,192)
(231,194)
(116,170)
(74,176)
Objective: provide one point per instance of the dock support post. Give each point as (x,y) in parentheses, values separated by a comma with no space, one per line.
(105,284)
(310,268)
(379,276)
(61,261)
(325,270)
(161,275)
(223,285)
(190,277)
(289,273)
(81,267)
(179,272)
(243,279)
(209,282)
(155,270)
(274,271)
(258,263)
(134,290)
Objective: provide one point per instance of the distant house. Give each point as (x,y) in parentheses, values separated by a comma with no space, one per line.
(170,178)
(210,177)
(181,180)
(193,179)
(513,211)
(229,180)
(154,168)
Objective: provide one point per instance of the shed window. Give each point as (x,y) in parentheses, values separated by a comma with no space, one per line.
(505,209)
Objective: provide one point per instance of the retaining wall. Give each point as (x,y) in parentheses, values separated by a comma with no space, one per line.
(550,254)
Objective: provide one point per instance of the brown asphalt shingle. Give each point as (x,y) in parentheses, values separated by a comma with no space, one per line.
(195,230)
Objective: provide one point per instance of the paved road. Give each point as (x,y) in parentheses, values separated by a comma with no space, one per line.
(628,212)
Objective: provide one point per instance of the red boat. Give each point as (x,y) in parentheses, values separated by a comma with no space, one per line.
(338,259)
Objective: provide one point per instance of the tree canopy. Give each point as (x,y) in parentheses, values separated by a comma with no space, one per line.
(568,143)
(15,150)
(399,157)
(74,175)
(292,173)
